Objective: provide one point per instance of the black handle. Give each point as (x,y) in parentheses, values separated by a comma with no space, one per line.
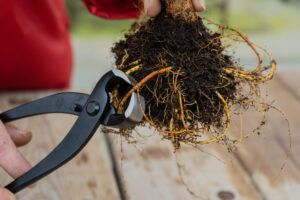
(93,110)
(66,102)
(72,144)
(92,115)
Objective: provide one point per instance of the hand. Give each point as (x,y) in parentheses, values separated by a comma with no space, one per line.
(11,160)
(153,7)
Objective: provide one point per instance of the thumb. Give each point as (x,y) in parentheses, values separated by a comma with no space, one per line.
(152,7)
(6,195)
(199,5)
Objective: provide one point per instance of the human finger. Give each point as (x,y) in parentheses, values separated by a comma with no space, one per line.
(6,195)
(199,5)
(19,137)
(11,160)
(152,7)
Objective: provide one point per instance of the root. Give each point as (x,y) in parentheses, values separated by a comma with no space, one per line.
(176,132)
(134,69)
(190,85)
(140,84)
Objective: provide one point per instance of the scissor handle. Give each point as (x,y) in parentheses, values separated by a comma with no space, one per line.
(92,110)
(65,102)
(91,116)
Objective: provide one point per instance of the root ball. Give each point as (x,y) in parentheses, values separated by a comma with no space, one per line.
(199,82)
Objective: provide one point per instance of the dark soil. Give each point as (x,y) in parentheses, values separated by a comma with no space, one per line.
(190,49)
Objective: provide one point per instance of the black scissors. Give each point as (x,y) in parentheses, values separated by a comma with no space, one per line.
(92,110)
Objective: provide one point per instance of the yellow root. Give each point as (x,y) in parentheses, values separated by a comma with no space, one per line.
(259,75)
(134,69)
(252,76)
(174,132)
(182,111)
(140,84)
(124,58)
(222,135)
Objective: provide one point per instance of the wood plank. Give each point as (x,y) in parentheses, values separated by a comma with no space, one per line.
(256,165)
(263,156)
(149,169)
(87,177)
(290,80)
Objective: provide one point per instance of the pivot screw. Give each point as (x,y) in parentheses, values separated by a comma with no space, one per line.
(93,108)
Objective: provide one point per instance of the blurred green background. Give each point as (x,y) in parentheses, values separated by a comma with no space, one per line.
(274,24)
(247,15)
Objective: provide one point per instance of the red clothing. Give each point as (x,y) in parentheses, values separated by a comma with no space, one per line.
(35,48)
(113,9)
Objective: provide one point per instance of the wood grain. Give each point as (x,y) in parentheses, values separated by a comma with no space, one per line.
(263,156)
(87,177)
(150,171)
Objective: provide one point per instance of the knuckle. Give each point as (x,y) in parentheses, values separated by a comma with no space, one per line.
(4,146)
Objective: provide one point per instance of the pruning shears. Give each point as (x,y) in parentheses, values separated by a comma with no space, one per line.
(92,110)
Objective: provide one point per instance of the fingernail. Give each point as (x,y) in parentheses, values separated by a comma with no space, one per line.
(202,5)
(199,5)
(152,7)
(146,6)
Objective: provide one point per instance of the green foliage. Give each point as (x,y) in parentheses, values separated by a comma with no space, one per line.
(83,24)
(248,16)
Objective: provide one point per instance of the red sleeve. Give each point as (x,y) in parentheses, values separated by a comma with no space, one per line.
(35,48)
(113,9)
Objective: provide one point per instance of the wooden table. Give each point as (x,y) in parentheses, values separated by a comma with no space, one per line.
(149,169)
